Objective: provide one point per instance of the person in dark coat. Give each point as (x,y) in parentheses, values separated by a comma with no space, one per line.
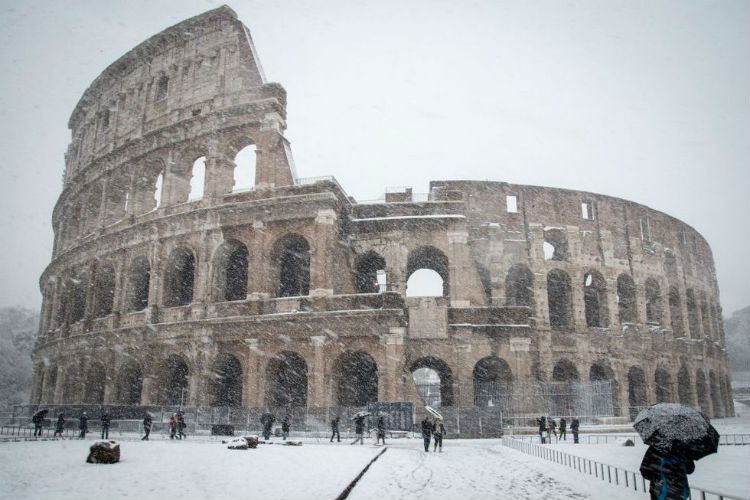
(181,425)
(359,430)
(147,423)
(83,425)
(173,426)
(438,430)
(563,425)
(38,420)
(105,426)
(551,429)
(60,426)
(335,428)
(427,429)
(542,423)
(267,420)
(668,475)
(574,429)
(381,429)
(285,427)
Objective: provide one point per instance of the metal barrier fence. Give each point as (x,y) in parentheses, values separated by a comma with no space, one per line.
(612,474)
(724,439)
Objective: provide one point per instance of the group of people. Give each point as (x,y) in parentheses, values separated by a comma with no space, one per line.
(548,428)
(434,430)
(176,426)
(359,429)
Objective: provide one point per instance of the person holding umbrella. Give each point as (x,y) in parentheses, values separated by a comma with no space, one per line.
(677,435)
(335,428)
(147,423)
(38,420)
(359,427)
(60,427)
(267,420)
(427,429)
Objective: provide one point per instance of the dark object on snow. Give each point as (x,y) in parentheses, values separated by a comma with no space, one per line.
(574,425)
(83,425)
(181,426)
(236,444)
(427,429)
(381,430)
(104,452)
(285,427)
(222,430)
(542,423)
(677,430)
(438,429)
(335,428)
(667,474)
(147,422)
(359,429)
(563,425)
(60,426)
(105,426)
(267,420)
(252,441)
(38,420)
(628,442)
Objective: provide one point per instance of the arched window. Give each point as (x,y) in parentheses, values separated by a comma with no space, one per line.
(286,379)
(684,387)
(162,88)
(626,299)
(663,385)
(653,302)
(493,383)
(434,381)
(129,384)
(158,186)
(355,379)
(595,299)
(76,297)
(95,379)
(227,382)
(427,273)
(197,179)
(558,298)
(370,272)
(104,290)
(555,244)
(692,310)
(230,264)
(244,169)
(565,371)
(519,286)
(92,209)
(293,262)
(636,391)
(179,278)
(173,384)
(675,313)
(139,279)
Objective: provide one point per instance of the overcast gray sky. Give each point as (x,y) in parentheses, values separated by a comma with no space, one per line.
(649,101)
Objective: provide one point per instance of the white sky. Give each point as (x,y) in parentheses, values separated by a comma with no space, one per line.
(647,100)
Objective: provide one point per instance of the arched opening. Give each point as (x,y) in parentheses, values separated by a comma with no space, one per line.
(563,400)
(717,406)
(286,378)
(565,371)
(653,302)
(179,278)
(595,299)
(197,179)
(692,310)
(162,88)
(173,384)
(427,284)
(139,280)
(675,313)
(157,190)
(636,391)
(705,317)
(602,372)
(129,384)
(104,290)
(244,169)
(663,385)
(356,379)
(92,208)
(626,299)
(555,246)
(558,298)
(685,387)
(702,392)
(370,273)
(94,388)
(76,297)
(227,382)
(493,384)
(519,286)
(117,198)
(230,281)
(434,381)
(293,262)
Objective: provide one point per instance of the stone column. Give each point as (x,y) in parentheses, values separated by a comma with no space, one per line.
(219,176)
(252,384)
(147,396)
(321,260)
(394,353)
(273,167)
(317,374)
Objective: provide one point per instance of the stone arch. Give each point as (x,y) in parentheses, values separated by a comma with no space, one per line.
(559,299)
(355,379)
(445,376)
(369,266)
(565,371)
(172,385)
(602,372)
(562,388)
(662,385)
(226,381)
(626,301)
(519,286)
(139,280)
(637,397)
(286,380)
(96,378)
(701,391)
(493,383)
(675,313)
(555,245)
(692,310)
(595,299)
(653,302)
(91,208)
(292,260)
(184,178)
(104,290)
(197,179)
(129,383)
(179,277)
(430,258)
(717,406)
(230,271)
(685,387)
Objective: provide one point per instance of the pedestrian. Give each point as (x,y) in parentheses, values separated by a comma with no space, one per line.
(285,427)
(60,426)
(551,429)
(335,428)
(147,422)
(427,429)
(438,430)
(542,423)
(105,426)
(267,420)
(667,474)
(359,430)
(181,425)
(173,426)
(38,420)
(574,429)
(381,430)
(563,425)
(83,425)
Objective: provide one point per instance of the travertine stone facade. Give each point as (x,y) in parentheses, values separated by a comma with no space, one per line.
(269,296)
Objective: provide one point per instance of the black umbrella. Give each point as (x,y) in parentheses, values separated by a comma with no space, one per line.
(40,413)
(677,430)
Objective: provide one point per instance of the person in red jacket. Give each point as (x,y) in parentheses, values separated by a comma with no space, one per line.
(172,426)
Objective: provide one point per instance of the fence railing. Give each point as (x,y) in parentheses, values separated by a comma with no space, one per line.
(724,439)
(612,474)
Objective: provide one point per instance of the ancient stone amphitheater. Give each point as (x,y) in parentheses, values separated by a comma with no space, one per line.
(193,267)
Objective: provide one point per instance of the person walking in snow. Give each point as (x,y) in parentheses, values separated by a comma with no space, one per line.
(438,430)
(574,429)
(335,428)
(551,429)
(60,426)
(563,424)
(427,429)
(181,425)
(267,420)
(285,427)
(668,475)
(105,426)
(542,423)
(359,430)
(38,421)
(83,425)
(381,430)
(147,422)
(173,426)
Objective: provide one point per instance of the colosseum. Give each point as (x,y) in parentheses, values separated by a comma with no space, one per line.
(192,267)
